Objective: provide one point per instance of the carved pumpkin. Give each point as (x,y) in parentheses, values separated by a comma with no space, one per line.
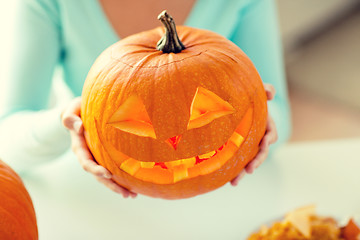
(177,118)
(17,215)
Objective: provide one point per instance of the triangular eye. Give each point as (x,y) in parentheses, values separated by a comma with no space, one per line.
(132,117)
(206,107)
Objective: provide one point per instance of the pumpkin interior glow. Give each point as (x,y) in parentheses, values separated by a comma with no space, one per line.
(206,107)
(132,117)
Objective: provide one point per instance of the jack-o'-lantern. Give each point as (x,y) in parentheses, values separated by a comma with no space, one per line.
(176,118)
(17,214)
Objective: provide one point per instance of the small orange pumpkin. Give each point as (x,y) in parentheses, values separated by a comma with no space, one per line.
(351,231)
(176,118)
(17,215)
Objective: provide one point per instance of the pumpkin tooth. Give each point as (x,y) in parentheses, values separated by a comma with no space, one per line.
(210,167)
(131,166)
(187,162)
(237,139)
(173,164)
(180,173)
(147,164)
(207,155)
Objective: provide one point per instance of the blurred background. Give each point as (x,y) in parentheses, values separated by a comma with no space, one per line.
(322,52)
(322,56)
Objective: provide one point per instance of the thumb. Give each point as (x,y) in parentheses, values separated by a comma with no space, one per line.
(71,116)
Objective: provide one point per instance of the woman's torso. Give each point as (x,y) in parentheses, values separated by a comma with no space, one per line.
(90,26)
(129,17)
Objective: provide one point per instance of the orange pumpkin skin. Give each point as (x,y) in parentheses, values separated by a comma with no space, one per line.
(167,83)
(17,215)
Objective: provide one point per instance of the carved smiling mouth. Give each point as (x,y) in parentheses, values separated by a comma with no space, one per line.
(132,117)
(182,169)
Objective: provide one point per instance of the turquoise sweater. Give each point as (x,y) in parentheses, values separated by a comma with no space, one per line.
(70,35)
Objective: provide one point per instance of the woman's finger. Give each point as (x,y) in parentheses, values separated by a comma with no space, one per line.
(236,180)
(91,166)
(258,160)
(269,138)
(85,158)
(71,116)
(271,135)
(270,91)
(72,121)
(116,188)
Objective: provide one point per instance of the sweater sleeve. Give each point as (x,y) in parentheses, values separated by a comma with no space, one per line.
(257,34)
(29,132)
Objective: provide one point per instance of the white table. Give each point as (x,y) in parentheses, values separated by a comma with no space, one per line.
(70,204)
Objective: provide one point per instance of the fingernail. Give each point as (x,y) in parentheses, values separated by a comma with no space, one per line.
(77,126)
(257,164)
(249,171)
(107,175)
(266,143)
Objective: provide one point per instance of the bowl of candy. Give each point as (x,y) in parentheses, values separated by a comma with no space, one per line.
(305,224)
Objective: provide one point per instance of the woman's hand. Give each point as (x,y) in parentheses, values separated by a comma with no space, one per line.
(71,120)
(270,137)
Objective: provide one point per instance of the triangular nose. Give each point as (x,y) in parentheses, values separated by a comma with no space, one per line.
(174,141)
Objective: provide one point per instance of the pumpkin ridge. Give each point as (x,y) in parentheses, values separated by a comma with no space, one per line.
(188,37)
(107,72)
(209,43)
(244,84)
(133,52)
(253,125)
(15,181)
(11,191)
(225,54)
(17,213)
(115,79)
(161,65)
(13,220)
(102,145)
(184,94)
(101,76)
(16,220)
(140,45)
(127,54)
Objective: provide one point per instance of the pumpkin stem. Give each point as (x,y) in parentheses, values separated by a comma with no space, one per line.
(170,41)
